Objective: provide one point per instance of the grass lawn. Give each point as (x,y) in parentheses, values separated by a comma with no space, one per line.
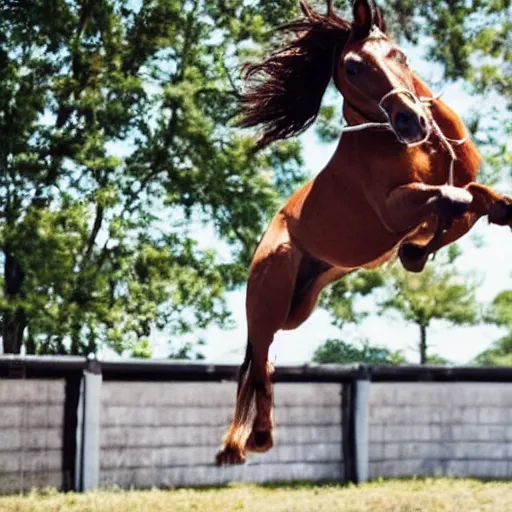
(426,495)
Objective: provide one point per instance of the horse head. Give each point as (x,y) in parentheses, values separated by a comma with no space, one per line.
(285,90)
(373,75)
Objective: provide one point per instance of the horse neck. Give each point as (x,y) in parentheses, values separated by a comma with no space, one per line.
(452,126)
(450,123)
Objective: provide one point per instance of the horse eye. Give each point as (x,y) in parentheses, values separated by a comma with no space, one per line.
(353,67)
(398,56)
(401,58)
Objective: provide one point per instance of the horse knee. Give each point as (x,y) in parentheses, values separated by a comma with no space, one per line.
(413,257)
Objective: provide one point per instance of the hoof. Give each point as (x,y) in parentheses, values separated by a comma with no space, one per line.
(413,257)
(230,456)
(500,213)
(259,441)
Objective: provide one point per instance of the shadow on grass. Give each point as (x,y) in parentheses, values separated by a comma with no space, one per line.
(329,484)
(48,492)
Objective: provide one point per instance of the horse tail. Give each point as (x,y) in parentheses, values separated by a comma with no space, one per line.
(246,398)
(241,424)
(243,371)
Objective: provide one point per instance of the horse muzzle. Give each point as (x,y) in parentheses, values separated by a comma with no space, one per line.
(410,126)
(407,116)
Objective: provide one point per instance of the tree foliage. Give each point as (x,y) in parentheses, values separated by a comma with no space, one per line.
(500,314)
(460,34)
(500,311)
(439,292)
(115,145)
(343,298)
(498,354)
(340,352)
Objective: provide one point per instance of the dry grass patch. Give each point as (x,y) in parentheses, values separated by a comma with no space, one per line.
(426,495)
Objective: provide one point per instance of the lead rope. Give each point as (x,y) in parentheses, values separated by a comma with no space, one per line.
(445,141)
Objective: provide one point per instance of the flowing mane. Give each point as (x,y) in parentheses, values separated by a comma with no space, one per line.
(286,89)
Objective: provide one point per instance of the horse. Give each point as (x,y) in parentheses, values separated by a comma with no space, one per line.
(401,183)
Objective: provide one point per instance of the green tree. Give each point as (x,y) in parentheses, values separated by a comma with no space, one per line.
(498,354)
(343,298)
(500,314)
(461,32)
(115,142)
(437,359)
(500,311)
(341,352)
(440,292)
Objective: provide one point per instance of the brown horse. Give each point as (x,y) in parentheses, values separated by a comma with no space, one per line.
(401,182)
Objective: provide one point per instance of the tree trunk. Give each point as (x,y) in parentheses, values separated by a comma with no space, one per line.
(13,321)
(30,343)
(423,344)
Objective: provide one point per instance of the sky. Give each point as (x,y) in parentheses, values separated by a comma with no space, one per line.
(490,262)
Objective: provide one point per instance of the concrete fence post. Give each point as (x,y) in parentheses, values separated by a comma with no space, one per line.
(355,428)
(69,437)
(87,467)
(361,419)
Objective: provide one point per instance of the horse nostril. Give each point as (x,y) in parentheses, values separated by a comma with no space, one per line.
(409,125)
(403,121)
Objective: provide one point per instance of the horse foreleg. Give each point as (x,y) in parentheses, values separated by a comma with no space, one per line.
(409,205)
(414,257)
(486,201)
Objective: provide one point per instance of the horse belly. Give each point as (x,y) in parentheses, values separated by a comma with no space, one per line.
(348,236)
(353,250)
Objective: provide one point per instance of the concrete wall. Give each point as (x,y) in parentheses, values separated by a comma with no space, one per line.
(167,434)
(460,429)
(31,434)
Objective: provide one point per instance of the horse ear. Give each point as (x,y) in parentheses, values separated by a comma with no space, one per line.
(380,21)
(364,13)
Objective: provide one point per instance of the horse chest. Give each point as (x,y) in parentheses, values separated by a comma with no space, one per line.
(332,220)
(429,164)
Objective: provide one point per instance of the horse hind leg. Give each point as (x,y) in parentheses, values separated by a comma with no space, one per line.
(269,292)
(314,276)
(253,405)
(268,305)
(260,438)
